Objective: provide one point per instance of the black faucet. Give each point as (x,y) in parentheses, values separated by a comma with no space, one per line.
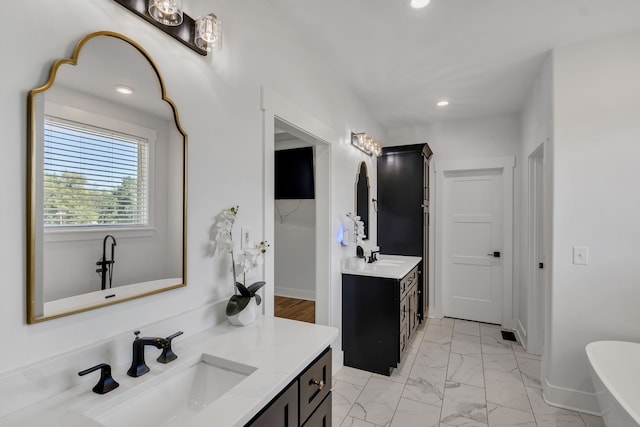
(138,365)
(106,382)
(374,256)
(106,265)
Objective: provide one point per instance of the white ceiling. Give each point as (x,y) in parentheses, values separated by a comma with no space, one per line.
(105,62)
(482,55)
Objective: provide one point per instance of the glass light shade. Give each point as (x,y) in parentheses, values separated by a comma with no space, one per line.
(419,4)
(365,143)
(167,12)
(208,33)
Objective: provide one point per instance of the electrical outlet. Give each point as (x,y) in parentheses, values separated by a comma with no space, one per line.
(580,255)
(245,237)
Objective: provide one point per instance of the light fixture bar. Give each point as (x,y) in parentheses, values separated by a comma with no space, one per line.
(184,32)
(365,143)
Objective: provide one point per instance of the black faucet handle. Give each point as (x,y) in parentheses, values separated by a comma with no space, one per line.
(167,352)
(106,383)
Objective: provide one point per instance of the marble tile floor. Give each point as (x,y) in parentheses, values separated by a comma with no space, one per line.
(456,373)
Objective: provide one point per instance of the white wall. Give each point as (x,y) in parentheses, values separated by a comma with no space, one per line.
(493,136)
(486,137)
(294,249)
(596,204)
(218,98)
(535,131)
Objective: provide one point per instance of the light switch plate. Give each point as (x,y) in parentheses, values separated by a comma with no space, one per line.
(580,255)
(245,237)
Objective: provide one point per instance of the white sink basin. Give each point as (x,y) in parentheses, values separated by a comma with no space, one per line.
(174,396)
(387,263)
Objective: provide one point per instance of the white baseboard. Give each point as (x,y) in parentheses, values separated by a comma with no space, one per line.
(574,400)
(521,333)
(295,293)
(338,360)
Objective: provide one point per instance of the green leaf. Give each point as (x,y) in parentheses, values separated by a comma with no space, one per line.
(243,290)
(256,287)
(258,299)
(236,304)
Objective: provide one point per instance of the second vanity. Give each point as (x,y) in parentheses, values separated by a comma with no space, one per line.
(379,312)
(225,376)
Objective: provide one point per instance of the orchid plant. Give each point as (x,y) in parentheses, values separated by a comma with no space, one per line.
(246,260)
(358,233)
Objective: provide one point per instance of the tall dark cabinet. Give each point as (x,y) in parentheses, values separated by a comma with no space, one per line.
(403,207)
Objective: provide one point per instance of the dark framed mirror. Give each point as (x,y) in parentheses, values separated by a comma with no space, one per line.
(362,197)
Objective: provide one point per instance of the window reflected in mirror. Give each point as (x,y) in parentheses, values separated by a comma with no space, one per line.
(106,174)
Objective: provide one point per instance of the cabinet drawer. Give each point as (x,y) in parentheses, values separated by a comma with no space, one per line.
(315,385)
(404,311)
(283,411)
(408,281)
(322,416)
(403,343)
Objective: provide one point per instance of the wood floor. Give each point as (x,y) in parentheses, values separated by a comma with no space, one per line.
(296,309)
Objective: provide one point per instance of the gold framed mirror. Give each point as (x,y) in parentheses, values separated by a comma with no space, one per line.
(106,181)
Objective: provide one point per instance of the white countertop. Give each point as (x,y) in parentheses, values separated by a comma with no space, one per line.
(389,266)
(279,348)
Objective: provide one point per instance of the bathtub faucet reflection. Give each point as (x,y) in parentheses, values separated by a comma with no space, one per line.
(106,265)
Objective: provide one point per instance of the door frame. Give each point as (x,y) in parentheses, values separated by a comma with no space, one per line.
(302,124)
(536,248)
(506,165)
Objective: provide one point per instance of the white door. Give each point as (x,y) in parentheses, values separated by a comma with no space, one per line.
(472,245)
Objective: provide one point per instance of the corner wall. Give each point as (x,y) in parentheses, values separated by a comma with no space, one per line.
(536,131)
(596,152)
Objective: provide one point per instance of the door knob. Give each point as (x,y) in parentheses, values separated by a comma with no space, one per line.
(495,254)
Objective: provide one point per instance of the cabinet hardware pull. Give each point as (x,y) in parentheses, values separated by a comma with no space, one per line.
(319,383)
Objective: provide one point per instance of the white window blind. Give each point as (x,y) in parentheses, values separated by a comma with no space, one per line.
(93,176)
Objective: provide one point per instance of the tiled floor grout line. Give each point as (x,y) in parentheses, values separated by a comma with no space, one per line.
(484,380)
(509,349)
(356,399)
(525,385)
(446,375)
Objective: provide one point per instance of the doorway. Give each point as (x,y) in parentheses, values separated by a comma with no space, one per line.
(294,224)
(474,234)
(536,277)
(473,268)
(292,119)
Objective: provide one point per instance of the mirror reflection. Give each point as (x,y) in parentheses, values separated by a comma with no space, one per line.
(362,197)
(106,181)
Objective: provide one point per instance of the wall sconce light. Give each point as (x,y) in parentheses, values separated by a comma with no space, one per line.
(208,32)
(365,143)
(201,35)
(166,12)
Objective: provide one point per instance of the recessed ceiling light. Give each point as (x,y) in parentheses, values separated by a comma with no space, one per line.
(125,90)
(419,4)
(442,103)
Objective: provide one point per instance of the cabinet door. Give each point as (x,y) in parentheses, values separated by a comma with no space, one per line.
(282,412)
(322,416)
(315,384)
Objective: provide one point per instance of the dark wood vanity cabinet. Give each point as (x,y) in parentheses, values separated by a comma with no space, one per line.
(379,319)
(282,411)
(403,208)
(305,402)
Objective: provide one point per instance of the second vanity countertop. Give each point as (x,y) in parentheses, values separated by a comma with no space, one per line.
(279,348)
(389,266)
